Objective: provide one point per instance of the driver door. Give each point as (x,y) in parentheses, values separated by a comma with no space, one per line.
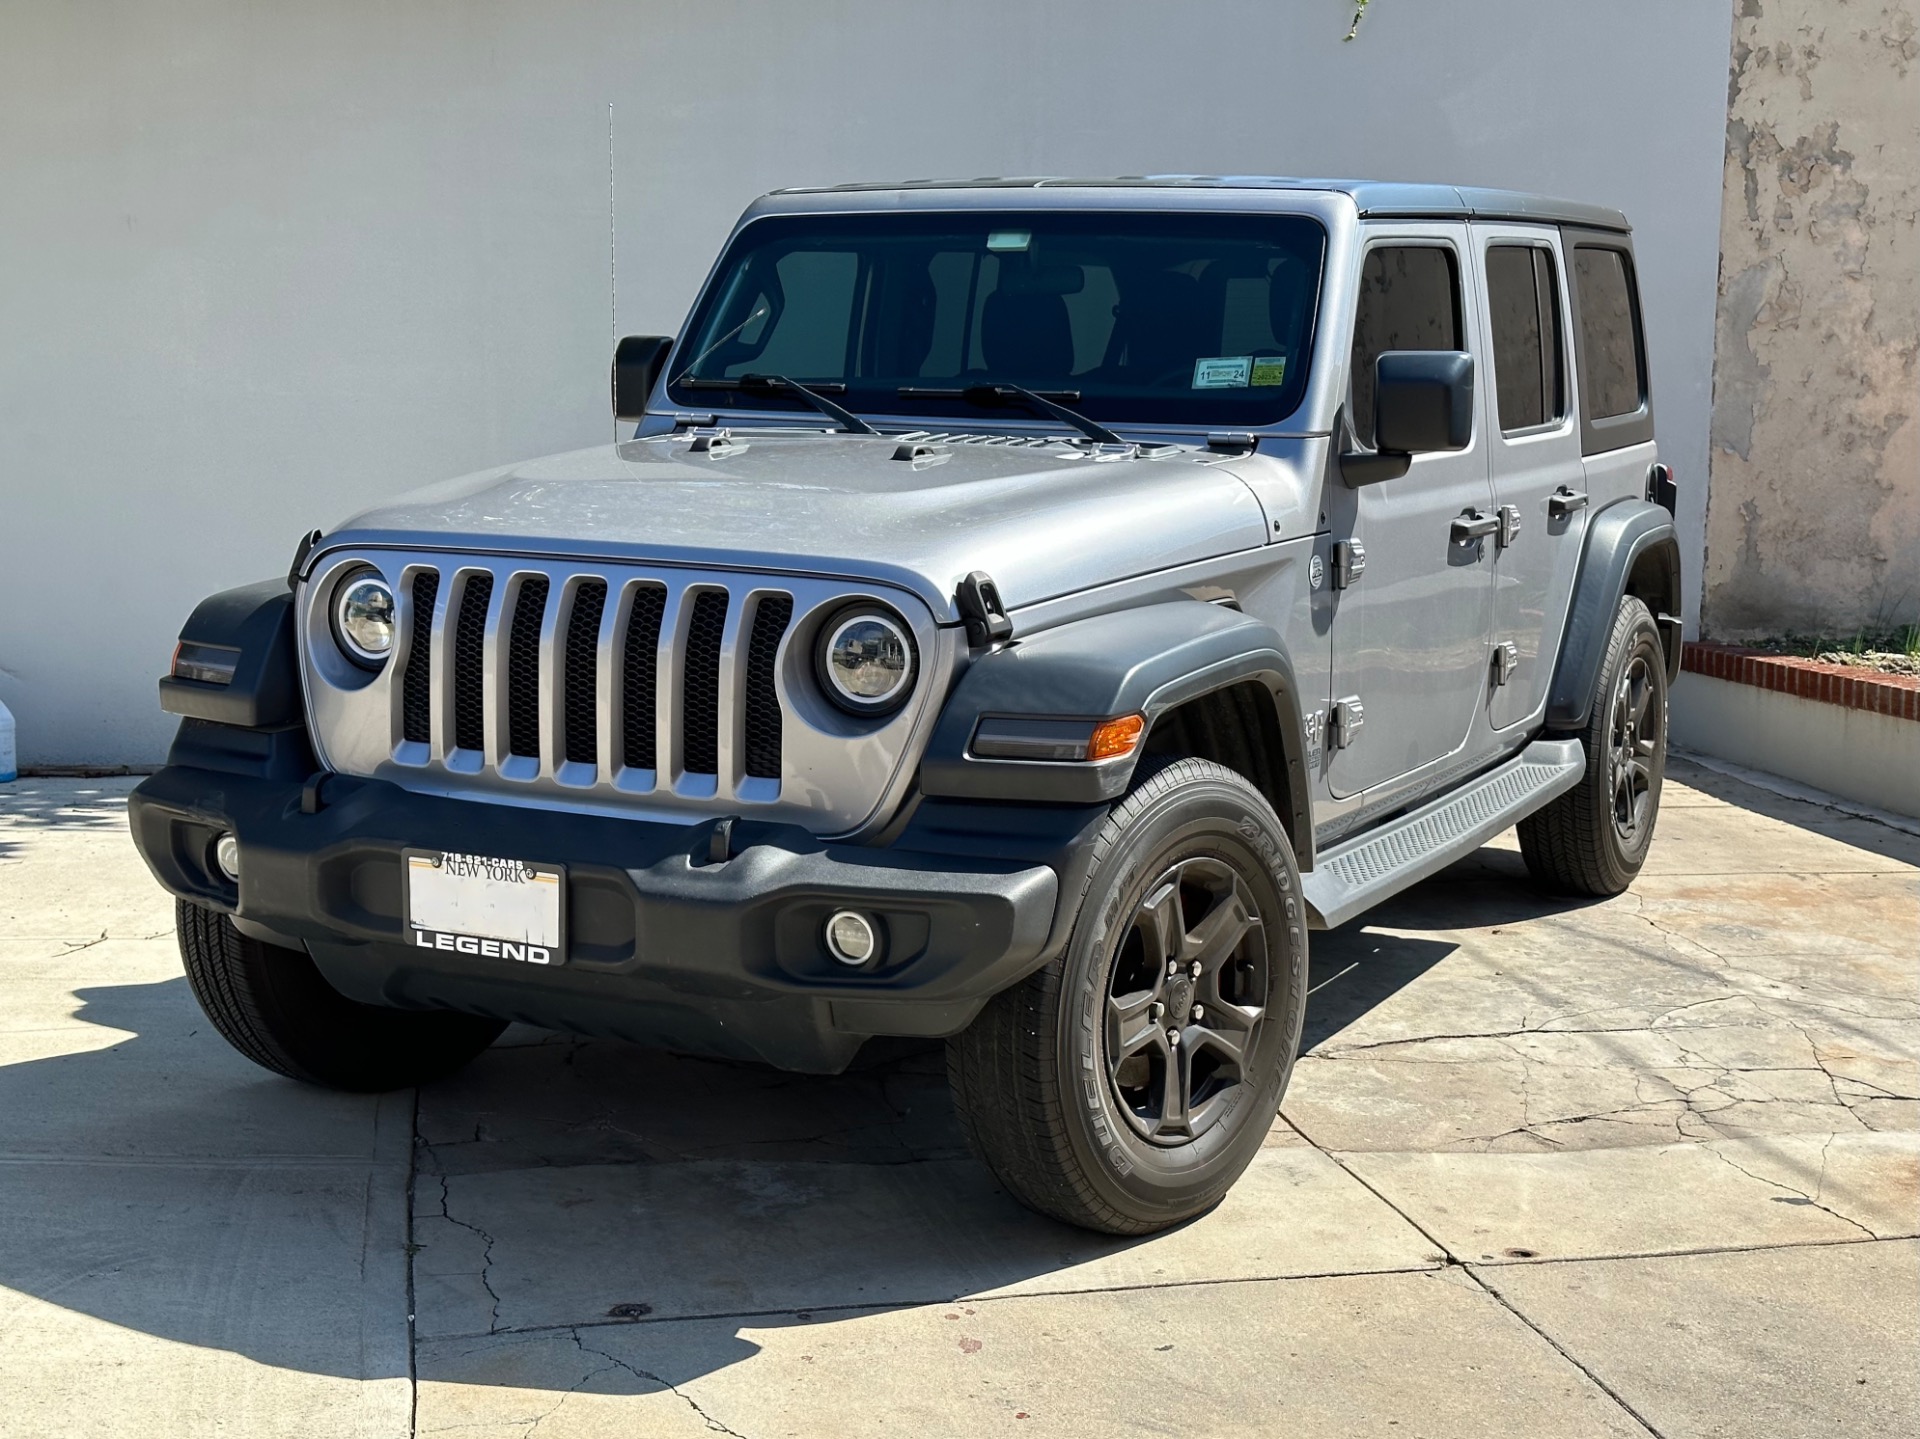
(1412,629)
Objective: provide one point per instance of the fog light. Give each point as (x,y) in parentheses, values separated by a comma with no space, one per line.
(226,854)
(851,937)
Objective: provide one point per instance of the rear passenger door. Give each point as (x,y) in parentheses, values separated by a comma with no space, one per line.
(1534,454)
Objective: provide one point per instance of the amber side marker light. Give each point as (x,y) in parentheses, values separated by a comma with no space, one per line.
(1116,737)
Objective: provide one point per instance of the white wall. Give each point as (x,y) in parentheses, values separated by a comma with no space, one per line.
(263,263)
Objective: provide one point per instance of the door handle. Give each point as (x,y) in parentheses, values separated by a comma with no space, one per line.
(1473,526)
(1563,502)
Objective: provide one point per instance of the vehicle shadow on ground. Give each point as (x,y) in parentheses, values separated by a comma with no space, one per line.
(588,1180)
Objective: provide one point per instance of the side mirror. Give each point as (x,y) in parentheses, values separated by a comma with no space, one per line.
(637,364)
(1422,402)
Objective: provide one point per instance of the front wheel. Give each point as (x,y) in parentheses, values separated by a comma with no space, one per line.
(1593,839)
(1126,1085)
(276,1008)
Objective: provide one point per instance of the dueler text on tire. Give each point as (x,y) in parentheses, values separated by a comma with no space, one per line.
(1593,839)
(273,1006)
(1125,1085)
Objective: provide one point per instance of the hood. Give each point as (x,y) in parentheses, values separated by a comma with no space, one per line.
(1044,519)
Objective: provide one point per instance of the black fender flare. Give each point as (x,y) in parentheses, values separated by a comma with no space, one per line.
(257,621)
(1618,539)
(1144,661)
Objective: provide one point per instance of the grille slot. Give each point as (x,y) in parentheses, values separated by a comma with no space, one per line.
(469,664)
(770,621)
(640,677)
(700,684)
(523,667)
(583,673)
(416,685)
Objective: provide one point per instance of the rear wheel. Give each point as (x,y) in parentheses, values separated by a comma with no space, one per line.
(1126,1085)
(1593,839)
(273,1005)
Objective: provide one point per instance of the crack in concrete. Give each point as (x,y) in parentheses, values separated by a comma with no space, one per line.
(486,1254)
(1800,1193)
(614,1360)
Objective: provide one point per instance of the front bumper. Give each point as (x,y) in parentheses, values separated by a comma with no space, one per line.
(664,947)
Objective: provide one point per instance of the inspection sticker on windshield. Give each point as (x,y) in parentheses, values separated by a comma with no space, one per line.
(492,908)
(1269,369)
(1224,372)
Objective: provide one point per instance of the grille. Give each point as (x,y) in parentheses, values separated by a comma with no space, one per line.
(700,690)
(578,666)
(416,686)
(469,664)
(583,666)
(770,621)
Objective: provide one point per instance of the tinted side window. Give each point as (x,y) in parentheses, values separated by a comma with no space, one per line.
(1524,308)
(1409,300)
(1610,346)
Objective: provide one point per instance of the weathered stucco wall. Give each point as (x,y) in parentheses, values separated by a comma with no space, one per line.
(1813,522)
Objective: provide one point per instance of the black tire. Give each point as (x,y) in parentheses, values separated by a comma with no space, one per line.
(1593,839)
(273,1005)
(1065,1098)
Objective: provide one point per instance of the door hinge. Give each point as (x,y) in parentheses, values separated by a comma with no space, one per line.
(1344,721)
(1506,659)
(1509,530)
(1349,563)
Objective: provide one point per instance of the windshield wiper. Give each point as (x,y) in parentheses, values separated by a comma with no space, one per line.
(781,385)
(999,395)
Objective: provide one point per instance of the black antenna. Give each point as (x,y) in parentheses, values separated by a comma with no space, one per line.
(613,260)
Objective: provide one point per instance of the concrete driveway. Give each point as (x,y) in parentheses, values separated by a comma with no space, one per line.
(1546,1169)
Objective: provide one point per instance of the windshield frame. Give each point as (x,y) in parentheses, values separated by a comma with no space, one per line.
(1328,213)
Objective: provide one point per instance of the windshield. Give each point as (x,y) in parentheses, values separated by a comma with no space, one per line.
(1199,319)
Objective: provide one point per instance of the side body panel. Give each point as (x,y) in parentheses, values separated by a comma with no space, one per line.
(1538,551)
(1410,636)
(1618,449)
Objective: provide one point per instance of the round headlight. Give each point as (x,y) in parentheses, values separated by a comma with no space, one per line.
(363,618)
(866,660)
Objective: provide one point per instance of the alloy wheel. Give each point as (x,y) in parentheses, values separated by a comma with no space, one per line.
(1632,747)
(1186,996)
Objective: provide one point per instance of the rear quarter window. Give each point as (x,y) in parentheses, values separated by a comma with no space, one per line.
(1612,352)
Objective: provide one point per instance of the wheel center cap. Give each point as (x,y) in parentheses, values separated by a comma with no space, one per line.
(1180,997)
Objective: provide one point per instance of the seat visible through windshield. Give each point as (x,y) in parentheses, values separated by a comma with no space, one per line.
(1182,318)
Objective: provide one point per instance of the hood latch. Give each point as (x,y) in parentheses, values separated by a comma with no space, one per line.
(978,600)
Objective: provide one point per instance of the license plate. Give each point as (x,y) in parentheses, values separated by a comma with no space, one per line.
(490,908)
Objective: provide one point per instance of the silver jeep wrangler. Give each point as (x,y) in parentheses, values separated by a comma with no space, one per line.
(1022,611)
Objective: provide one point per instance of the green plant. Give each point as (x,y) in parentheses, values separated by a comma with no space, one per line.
(1359,14)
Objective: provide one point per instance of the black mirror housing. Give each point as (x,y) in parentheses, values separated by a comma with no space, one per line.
(1423,401)
(637,364)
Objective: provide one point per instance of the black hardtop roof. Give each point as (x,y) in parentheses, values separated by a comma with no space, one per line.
(1375,199)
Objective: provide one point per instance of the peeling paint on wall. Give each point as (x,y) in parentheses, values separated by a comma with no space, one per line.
(1813,521)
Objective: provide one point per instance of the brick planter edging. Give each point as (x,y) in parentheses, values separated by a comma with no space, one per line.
(1843,685)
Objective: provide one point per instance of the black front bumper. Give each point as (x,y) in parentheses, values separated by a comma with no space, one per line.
(665,946)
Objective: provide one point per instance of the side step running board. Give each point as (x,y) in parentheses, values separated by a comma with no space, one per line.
(1353,877)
